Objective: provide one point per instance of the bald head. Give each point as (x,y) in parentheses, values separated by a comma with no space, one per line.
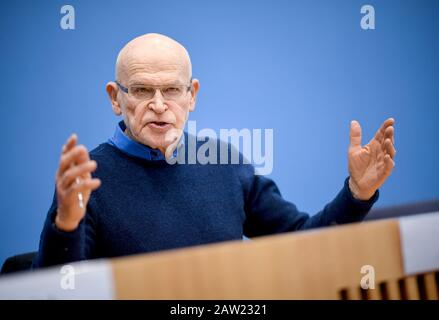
(154,54)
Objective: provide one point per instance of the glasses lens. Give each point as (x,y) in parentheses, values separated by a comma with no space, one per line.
(142,92)
(172,92)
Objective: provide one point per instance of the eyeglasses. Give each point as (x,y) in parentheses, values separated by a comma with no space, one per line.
(147,92)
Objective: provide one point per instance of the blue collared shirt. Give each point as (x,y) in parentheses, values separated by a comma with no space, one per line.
(125,144)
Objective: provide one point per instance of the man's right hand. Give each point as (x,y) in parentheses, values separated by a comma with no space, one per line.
(75,163)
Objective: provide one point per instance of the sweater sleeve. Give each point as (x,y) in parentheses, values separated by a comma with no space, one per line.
(61,247)
(267,212)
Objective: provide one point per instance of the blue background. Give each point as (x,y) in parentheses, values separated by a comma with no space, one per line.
(303,68)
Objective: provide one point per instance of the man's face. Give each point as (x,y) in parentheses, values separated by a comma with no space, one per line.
(159,120)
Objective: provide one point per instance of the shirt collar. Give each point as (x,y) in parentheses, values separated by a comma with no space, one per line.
(125,144)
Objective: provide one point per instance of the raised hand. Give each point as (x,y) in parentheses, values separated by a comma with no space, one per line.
(73,177)
(372,164)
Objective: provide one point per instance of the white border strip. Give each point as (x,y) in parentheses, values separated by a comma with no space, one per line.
(82,280)
(420,242)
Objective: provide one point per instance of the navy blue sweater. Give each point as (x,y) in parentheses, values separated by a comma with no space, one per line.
(144,206)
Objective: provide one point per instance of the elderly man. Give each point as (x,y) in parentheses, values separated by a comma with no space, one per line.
(137,202)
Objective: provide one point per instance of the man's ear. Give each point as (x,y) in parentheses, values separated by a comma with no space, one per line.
(194,91)
(112,90)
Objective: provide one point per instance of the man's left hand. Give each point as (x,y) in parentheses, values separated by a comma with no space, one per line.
(372,164)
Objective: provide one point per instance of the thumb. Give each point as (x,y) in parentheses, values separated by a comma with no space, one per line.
(355,134)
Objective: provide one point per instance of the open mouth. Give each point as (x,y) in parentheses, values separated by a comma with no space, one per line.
(159,126)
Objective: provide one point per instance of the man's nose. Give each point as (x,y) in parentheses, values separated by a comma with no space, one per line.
(157,104)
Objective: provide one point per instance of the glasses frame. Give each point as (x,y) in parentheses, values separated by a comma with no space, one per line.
(126,90)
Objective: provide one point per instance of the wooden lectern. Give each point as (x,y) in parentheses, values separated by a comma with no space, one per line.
(315,264)
(399,258)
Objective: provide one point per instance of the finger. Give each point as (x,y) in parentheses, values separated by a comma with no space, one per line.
(389,165)
(355,134)
(75,155)
(389,133)
(390,149)
(83,186)
(77,171)
(71,142)
(379,135)
(78,154)
(380,157)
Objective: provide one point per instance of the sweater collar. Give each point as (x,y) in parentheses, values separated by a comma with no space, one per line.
(127,145)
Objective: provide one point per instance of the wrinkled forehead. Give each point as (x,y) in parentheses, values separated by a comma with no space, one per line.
(154,66)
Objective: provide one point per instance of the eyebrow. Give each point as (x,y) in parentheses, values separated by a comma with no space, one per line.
(137,83)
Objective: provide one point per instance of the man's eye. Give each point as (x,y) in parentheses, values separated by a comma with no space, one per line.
(172,90)
(141,90)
